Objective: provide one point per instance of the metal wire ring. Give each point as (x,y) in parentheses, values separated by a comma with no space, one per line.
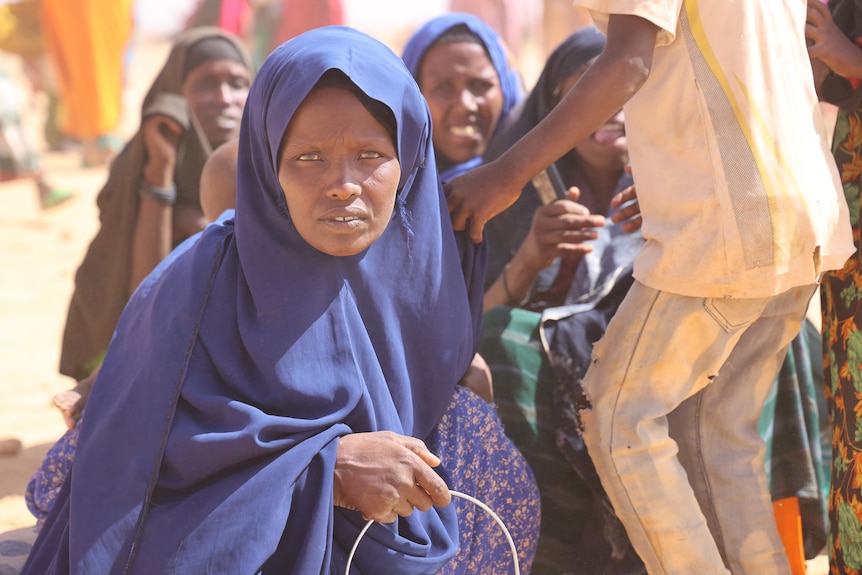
(454,494)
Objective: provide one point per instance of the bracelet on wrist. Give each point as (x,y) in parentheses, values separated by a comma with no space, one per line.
(510,299)
(167,196)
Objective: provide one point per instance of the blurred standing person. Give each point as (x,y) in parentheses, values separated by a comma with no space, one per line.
(834,35)
(19,157)
(559,20)
(277,21)
(232,16)
(509,18)
(298,16)
(86,42)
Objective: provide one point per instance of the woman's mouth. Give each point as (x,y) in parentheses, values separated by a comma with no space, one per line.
(468,131)
(609,133)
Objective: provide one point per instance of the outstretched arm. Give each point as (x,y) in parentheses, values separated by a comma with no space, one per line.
(618,73)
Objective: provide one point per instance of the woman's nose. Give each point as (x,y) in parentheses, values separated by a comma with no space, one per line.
(345,182)
(469,100)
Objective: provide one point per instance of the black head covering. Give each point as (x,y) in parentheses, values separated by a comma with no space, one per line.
(507,230)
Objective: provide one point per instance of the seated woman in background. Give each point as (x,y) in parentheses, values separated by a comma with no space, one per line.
(289,398)
(464,71)
(567,259)
(149,203)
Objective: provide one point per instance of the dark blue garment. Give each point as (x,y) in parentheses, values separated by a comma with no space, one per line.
(210,436)
(510,80)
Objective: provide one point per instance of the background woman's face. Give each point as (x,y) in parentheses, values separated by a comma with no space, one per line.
(339,170)
(607,147)
(465,98)
(216,91)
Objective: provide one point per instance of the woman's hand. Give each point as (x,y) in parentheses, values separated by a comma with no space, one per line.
(161,136)
(829,45)
(630,214)
(560,228)
(478,379)
(383,475)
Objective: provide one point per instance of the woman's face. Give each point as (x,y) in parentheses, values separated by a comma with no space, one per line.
(463,92)
(339,170)
(607,147)
(216,91)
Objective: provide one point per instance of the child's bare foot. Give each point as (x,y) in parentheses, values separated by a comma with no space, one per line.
(71,402)
(9,446)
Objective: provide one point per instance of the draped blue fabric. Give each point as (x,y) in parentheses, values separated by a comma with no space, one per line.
(510,80)
(210,436)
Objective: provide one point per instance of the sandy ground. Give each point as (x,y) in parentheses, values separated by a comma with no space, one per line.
(39,253)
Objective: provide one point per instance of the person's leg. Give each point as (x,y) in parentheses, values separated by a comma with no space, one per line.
(721,449)
(659,350)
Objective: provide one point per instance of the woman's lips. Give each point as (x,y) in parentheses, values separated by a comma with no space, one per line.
(609,133)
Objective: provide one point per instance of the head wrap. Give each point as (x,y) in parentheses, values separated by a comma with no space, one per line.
(510,81)
(247,354)
(210,48)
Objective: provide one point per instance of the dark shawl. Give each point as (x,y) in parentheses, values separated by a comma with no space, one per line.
(836,89)
(209,445)
(510,80)
(507,230)
(102,280)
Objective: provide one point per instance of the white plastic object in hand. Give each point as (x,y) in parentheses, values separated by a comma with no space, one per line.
(454,494)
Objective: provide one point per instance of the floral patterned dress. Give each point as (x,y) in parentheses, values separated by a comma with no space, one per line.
(841,297)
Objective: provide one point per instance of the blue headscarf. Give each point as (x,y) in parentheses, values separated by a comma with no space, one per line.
(510,81)
(210,437)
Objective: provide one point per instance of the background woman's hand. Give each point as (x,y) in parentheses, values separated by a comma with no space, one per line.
(560,228)
(829,45)
(161,137)
(630,213)
(383,475)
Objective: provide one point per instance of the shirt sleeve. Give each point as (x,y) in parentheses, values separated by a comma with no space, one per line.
(662,13)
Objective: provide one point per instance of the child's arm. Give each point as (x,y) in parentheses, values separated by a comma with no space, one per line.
(618,73)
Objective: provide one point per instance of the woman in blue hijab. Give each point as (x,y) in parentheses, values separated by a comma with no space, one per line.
(315,339)
(463,70)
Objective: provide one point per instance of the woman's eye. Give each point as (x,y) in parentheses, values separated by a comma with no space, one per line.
(309,157)
(444,89)
(368,155)
(239,83)
(480,87)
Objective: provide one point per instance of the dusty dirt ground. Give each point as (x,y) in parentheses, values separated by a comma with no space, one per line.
(39,253)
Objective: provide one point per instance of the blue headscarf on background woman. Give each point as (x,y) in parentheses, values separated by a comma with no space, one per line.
(243,358)
(510,81)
